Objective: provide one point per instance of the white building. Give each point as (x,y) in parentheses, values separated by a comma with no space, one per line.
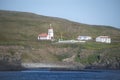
(104,39)
(84,37)
(47,36)
(70,41)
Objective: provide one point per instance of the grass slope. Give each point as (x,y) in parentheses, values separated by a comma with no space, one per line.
(26,26)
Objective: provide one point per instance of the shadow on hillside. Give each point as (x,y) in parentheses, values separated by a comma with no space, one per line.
(6,66)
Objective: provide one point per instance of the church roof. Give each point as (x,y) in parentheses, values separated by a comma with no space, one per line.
(104,37)
(43,35)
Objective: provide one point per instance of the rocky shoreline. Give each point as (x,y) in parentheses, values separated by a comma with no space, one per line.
(51,66)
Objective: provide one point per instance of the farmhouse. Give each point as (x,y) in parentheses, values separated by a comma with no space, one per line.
(47,36)
(104,39)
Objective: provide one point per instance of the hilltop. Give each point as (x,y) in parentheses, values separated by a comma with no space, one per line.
(18,41)
(28,25)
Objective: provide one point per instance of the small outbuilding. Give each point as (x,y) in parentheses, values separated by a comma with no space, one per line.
(84,38)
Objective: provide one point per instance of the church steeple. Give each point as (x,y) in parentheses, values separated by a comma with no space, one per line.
(50,32)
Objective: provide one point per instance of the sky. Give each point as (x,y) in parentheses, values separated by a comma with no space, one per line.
(94,12)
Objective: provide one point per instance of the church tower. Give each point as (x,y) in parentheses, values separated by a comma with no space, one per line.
(50,32)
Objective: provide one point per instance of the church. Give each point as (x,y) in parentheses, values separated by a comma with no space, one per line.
(47,36)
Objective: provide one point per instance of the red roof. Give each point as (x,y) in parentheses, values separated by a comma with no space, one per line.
(104,36)
(43,35)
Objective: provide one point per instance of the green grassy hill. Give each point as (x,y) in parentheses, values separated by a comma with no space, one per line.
(19,31)
(26,26)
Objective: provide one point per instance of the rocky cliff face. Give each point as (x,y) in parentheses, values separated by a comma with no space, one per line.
(10,58)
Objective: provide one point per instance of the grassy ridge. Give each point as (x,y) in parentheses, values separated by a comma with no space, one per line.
(26,26)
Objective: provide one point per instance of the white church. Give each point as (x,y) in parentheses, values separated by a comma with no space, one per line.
(47,36)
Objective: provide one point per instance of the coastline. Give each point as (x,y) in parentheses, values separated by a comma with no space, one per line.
(53,66)
(59,66)
(45,65)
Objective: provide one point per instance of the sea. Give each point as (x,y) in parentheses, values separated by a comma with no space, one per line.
(46,74)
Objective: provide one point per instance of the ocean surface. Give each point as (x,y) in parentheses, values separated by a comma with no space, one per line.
(44,74)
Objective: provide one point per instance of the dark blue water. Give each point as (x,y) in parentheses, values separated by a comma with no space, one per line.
(61,75)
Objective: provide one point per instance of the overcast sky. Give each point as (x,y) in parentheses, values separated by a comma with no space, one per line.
(95,12)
